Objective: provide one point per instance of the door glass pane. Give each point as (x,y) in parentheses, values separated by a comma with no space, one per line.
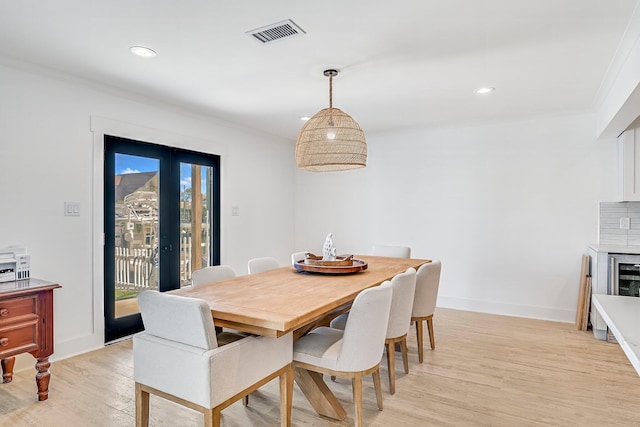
(136,230)
(195,219)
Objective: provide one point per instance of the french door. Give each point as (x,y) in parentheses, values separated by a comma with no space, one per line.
(162,221)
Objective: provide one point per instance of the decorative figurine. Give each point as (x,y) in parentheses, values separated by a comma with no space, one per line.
(328,251)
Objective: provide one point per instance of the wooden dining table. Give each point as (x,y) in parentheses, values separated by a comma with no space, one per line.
(276,302)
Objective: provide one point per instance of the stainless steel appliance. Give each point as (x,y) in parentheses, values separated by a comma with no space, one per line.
(624,275)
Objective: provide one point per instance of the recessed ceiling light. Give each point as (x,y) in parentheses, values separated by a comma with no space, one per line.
(143,52)
(484,90)
(304,118)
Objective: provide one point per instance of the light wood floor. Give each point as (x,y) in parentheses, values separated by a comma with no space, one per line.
(486,370)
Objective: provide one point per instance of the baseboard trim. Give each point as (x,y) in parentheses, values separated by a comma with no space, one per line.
(493,307)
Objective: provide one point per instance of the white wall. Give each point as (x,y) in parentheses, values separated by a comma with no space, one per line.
(47,157)
(508,207)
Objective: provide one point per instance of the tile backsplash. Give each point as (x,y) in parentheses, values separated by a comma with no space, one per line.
(611,216)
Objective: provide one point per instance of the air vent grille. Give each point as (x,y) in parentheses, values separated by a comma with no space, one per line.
(277,31)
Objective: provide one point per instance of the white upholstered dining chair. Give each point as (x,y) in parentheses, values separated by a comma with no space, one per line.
(211,274)
(258,265)
(424,302)
(392,251)
(177,358)
(403,285)
(354,352)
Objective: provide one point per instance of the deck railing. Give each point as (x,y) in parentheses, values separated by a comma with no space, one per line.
(136,269)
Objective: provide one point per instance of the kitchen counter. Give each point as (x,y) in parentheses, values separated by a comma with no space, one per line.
(616,249)
(622,315)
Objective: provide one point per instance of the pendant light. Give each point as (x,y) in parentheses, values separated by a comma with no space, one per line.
(331,140)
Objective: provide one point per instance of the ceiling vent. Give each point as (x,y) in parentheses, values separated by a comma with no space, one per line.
(277,31)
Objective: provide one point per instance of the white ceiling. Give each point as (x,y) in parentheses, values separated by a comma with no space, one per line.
(403,63)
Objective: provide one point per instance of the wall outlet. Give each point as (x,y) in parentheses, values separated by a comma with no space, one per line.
(624,223)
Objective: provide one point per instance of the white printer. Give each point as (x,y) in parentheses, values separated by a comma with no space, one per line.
(15,264)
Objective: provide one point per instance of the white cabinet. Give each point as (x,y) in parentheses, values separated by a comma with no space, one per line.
(629,163)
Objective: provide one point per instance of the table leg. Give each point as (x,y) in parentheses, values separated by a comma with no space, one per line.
(7,369)
(42,377)
(319,395)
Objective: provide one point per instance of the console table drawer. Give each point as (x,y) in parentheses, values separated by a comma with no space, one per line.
(12,310)
(19,338)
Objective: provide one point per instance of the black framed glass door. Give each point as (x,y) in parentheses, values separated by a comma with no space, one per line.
(161,219)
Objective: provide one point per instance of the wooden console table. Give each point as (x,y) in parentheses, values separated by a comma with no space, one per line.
(26,326)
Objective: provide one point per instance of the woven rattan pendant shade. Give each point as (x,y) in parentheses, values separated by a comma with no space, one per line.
(331,140)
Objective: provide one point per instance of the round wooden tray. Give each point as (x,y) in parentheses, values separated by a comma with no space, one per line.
(357,266)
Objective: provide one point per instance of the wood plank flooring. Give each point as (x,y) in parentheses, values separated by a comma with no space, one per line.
(487,370)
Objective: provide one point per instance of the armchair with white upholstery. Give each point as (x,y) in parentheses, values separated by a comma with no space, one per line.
(424,302)
(258,265)
(392,251)
(177,358)
(354,352)
(211,274)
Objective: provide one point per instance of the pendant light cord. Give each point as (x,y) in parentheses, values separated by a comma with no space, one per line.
(331,91)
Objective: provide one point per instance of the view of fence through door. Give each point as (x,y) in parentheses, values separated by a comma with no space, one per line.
(161,223)
(137,229)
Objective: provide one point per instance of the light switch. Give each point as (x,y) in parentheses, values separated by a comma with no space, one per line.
(235,210)
(71,208)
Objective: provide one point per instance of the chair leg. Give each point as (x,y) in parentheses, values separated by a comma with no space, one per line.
(405,354)
(142,407)
(212,418)
(378,387)
(356,384)
(391,366)
(432,339)
(286,397)
(245,400)
(420,340)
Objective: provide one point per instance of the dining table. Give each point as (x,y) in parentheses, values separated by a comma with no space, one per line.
(289,300)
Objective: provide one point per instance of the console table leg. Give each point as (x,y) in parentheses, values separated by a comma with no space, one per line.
(42,378)
(7,369)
